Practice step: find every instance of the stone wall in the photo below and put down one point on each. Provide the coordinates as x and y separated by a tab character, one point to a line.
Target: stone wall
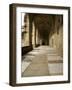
25	31
56	35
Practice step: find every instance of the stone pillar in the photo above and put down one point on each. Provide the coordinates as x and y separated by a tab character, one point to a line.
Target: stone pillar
33	34
36	36
30	30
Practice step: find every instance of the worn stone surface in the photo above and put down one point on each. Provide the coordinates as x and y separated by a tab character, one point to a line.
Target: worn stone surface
44	62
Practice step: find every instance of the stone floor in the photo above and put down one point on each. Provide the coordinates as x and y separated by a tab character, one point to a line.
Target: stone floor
42	61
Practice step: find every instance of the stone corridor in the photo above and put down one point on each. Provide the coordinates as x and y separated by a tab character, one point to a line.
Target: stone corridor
42	61
42	45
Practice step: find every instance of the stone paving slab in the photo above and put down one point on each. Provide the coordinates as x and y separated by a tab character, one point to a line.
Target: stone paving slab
55	68
24	66
39	67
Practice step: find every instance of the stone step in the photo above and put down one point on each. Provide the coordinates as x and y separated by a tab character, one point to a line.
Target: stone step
52	54
54	57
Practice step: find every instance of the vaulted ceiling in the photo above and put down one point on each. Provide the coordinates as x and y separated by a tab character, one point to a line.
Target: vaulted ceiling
44	23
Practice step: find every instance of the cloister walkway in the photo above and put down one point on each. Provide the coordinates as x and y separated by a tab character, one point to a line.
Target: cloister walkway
42	61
